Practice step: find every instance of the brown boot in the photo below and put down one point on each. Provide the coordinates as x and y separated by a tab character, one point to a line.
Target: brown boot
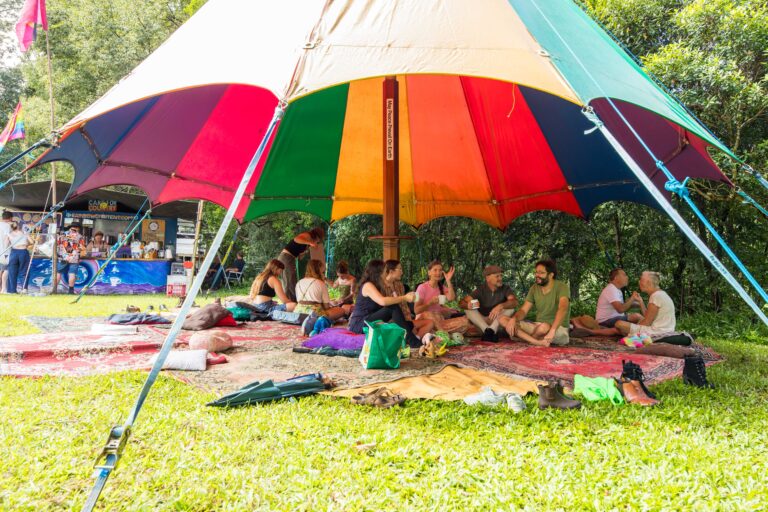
550	397
634	394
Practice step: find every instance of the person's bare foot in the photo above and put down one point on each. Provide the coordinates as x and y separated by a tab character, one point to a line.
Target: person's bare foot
540	343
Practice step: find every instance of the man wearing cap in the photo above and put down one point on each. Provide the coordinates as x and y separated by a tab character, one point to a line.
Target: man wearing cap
552	301
71	244
496	301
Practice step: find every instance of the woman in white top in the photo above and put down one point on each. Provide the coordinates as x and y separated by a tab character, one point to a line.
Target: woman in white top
312	294
18	263
659	313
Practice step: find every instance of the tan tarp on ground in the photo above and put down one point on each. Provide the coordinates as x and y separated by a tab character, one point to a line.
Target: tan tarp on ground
450	383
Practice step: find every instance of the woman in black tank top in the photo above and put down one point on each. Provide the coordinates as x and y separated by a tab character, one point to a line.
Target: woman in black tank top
372	304
295	249
266	286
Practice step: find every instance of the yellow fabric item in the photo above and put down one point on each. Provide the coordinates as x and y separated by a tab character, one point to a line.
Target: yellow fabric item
450	383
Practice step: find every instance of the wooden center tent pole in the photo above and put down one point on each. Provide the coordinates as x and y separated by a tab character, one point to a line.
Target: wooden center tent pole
391	221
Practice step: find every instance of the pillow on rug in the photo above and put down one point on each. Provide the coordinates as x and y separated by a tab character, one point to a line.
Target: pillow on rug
187	360
336	338
666	350
211	341
256	314
228	321
674	338
205	318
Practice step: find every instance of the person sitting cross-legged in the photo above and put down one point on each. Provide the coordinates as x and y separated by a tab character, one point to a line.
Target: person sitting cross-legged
267	286
659	314
373	303
496	301
551	299
612	308
312	294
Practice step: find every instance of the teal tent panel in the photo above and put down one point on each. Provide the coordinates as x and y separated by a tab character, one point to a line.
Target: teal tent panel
600	68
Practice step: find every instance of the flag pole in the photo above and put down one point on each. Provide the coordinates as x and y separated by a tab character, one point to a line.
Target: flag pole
54	253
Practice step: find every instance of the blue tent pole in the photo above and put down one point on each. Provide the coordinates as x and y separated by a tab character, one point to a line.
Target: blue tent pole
119	435
759	177
41	142
749	200
676	218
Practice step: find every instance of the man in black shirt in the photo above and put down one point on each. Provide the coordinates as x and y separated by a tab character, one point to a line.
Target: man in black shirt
493	299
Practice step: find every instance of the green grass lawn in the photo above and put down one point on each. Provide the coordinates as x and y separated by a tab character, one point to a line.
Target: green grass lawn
700	450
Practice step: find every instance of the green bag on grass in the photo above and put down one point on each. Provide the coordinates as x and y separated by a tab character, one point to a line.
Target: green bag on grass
383	346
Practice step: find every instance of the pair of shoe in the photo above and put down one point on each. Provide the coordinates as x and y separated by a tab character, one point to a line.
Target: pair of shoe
633	393
632	386
553	396
631	371
490	335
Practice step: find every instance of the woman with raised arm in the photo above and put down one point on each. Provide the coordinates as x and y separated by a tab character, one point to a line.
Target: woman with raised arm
293	250
433	295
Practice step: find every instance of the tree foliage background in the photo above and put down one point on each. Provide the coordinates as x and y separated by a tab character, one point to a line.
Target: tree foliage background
711	54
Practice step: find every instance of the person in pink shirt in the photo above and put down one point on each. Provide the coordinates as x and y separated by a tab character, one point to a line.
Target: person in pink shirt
434	294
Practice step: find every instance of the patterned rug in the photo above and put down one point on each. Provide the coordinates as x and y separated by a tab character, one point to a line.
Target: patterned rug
75	353
263	350
538	363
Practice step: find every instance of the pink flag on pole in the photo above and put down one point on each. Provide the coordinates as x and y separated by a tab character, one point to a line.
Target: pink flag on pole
14	129
32	14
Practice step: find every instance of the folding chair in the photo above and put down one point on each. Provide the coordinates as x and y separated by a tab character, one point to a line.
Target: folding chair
234	277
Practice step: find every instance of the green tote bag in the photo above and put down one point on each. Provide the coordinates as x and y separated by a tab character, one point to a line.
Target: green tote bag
383	346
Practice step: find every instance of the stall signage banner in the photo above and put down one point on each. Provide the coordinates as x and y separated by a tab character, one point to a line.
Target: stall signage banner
101	205
104	216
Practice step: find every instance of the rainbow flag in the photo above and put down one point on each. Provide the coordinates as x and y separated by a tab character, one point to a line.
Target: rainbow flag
32	15
14	129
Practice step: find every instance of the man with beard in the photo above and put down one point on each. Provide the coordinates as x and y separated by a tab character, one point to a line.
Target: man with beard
551	298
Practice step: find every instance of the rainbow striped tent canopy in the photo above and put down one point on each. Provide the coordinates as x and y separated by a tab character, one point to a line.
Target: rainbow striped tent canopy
492	94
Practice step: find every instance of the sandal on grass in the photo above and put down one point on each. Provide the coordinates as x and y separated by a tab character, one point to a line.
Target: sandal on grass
381	397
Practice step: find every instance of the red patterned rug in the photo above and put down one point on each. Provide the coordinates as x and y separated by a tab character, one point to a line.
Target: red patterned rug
538	363
84	353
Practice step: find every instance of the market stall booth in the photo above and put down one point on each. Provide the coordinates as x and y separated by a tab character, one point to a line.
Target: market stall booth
143	262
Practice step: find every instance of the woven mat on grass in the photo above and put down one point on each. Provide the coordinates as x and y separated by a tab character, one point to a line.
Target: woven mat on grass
549	363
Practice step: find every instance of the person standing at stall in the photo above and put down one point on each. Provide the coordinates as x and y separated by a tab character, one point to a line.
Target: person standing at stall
293	251
97	247
71	244
18	263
